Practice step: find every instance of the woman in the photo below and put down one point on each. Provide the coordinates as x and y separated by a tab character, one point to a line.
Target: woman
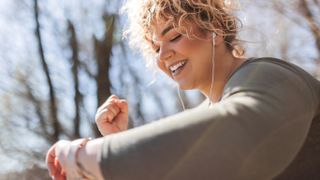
259	120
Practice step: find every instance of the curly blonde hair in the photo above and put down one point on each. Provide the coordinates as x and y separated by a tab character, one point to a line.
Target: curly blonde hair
209	15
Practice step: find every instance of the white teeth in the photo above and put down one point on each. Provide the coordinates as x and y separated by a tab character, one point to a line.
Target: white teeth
173	68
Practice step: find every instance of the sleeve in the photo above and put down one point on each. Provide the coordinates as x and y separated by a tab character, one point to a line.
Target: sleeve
253	133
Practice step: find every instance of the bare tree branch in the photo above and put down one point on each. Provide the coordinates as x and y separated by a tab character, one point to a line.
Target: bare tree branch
86	69
41	117
53	104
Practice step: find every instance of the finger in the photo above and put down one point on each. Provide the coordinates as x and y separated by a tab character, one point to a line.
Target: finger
57	168
62	173
59	177
109	113
56	162
109	101
110	116
114	109
102	117
113	97
123	105
105	116
50	159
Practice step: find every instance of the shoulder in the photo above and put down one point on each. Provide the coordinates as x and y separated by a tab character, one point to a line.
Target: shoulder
261	73
272	77
266	66
269	70
269	65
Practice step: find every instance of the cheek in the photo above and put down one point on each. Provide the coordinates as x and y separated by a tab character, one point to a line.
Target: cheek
185	45
200	50
192	47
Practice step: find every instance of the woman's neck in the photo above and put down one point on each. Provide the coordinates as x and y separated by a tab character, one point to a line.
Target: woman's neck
225	65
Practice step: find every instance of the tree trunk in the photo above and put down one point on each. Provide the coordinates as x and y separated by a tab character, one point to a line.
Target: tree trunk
103	52
75	66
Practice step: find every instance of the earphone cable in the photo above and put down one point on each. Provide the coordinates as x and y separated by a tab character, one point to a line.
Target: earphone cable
181	100
212	70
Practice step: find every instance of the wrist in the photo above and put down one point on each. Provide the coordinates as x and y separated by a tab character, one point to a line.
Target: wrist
74	169
89	158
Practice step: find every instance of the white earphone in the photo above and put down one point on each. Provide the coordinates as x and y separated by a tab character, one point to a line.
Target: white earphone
214	35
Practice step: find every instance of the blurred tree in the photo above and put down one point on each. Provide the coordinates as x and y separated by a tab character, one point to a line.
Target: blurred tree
75	62
103	51
306	14
48	111
310	10
53	115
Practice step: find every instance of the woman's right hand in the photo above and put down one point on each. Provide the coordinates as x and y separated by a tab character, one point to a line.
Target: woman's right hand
112	116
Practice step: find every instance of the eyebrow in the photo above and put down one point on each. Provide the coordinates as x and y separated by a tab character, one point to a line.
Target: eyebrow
167	29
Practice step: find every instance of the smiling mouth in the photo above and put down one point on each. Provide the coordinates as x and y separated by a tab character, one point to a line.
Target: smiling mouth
177	68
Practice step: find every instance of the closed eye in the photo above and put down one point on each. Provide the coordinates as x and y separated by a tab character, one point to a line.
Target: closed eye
176	38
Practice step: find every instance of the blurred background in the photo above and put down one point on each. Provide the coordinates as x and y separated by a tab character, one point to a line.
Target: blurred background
59	60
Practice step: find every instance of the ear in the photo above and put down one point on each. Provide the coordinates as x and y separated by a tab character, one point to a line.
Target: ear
219	37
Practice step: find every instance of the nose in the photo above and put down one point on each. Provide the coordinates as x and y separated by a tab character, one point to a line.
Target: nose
165	53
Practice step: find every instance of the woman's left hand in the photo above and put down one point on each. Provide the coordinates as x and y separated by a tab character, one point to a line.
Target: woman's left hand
56	159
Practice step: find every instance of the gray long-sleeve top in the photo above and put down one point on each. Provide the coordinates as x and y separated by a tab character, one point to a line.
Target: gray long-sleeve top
257	131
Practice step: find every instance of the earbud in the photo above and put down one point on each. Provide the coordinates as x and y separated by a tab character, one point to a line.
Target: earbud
214	35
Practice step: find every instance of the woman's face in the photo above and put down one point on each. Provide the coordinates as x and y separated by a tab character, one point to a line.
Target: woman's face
186	60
